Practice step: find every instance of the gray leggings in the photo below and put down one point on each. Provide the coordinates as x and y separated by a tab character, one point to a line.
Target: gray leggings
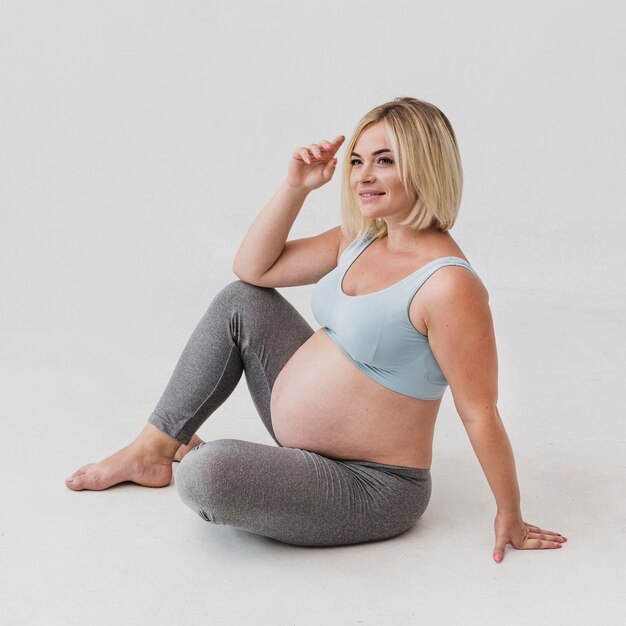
292	495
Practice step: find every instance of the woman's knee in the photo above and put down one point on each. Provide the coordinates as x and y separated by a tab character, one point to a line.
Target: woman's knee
206	477
239	291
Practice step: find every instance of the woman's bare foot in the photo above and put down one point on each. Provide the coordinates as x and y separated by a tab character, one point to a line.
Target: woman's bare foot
182	451
147	461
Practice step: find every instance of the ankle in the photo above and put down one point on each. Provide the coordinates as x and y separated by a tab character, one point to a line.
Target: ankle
155	442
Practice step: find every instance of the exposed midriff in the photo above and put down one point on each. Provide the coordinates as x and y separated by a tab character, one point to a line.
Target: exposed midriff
322	402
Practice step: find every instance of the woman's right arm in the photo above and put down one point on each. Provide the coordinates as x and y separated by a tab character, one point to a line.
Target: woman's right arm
265	257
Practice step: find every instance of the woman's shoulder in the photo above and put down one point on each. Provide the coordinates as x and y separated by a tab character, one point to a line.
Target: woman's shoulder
455	276
447	255
451	285
456	283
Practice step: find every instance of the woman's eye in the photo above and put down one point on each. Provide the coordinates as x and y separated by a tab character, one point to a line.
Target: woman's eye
354	162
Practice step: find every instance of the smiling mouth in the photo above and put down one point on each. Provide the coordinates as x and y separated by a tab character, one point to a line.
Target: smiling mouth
371	195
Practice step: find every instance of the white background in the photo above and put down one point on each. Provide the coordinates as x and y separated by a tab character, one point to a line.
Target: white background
138	140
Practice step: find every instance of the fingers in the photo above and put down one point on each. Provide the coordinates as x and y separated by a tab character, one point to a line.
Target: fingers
539	544
322	151
304	154
539	530
327	174
316	150
334	145
528	537
310	154
536	538
530	542
546	534
498	553
539	533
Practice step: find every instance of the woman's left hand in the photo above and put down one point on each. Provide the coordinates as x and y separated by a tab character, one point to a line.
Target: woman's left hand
510	528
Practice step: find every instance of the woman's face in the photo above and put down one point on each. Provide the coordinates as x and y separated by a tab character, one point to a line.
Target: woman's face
374	177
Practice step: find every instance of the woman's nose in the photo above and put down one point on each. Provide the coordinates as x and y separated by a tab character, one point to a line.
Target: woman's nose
366	173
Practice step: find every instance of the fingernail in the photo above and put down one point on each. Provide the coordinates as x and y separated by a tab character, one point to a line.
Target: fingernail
497	558
69	480
558	545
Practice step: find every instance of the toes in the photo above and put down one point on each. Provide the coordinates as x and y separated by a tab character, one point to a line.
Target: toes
82	470
75	483
83	480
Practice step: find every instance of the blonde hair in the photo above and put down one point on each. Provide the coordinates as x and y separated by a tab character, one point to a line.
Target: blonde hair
424	146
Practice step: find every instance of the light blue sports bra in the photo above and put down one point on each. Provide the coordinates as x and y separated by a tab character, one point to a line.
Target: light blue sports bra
374	329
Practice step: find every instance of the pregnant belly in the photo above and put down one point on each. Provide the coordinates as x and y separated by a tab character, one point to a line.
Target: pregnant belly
324	403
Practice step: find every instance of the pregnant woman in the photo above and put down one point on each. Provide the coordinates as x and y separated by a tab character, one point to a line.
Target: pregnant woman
351	406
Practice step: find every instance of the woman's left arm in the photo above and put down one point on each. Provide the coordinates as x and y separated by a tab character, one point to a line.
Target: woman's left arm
462	338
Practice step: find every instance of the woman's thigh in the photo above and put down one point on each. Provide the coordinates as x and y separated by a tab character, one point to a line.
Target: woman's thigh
300	497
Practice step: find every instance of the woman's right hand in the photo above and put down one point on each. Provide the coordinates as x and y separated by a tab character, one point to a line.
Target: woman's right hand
313	166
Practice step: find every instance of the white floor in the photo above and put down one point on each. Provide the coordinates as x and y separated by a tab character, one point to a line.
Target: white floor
138	556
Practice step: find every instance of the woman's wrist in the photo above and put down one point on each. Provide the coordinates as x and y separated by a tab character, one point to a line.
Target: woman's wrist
509	511
297	190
